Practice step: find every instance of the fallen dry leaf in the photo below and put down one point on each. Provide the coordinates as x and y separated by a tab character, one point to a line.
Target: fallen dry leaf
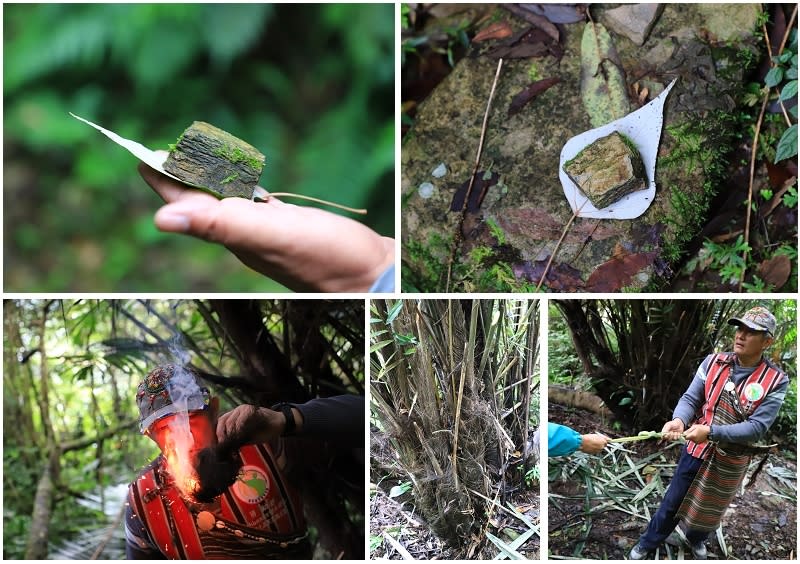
497	30
535	223
775	271
618	272
536	20
558	13
529	93
479	189
561	277
779	173
530	42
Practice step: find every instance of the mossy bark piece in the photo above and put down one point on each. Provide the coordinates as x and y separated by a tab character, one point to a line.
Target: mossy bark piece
607	170
213	159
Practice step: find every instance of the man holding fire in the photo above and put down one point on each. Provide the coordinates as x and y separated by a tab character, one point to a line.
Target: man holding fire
219	489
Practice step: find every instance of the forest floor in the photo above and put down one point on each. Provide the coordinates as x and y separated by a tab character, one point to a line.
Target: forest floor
444	34
397	518
759	524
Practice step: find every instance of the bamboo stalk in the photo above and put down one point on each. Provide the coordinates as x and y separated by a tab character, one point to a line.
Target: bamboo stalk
458	235
458	418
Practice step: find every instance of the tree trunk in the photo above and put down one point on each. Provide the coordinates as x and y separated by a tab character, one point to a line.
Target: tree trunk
641	354
262	361
36	548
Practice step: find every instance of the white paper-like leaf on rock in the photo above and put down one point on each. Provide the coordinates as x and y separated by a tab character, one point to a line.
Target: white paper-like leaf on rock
643	127
150	158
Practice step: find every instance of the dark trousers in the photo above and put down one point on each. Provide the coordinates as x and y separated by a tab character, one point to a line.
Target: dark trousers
664	521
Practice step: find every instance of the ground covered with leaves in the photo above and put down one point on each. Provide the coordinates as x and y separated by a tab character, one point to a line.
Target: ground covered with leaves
398	532
599	505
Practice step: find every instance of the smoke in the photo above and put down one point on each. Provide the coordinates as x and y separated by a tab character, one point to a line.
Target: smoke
179	441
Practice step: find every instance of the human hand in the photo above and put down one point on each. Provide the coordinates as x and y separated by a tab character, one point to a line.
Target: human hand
697	433
251	424
306	249
672	430
593	443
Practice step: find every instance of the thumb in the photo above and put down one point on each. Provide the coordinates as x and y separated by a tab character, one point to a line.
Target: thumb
183	215
205	217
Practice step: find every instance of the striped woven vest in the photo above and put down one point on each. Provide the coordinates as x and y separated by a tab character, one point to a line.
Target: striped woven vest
764	379
260	503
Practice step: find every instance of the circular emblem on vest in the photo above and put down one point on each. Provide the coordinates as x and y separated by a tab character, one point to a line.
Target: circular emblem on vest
729	387
753	391
252	486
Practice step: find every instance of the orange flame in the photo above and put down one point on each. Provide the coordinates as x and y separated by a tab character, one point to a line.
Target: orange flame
177	451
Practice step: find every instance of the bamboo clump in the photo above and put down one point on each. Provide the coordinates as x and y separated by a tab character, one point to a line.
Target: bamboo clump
443	374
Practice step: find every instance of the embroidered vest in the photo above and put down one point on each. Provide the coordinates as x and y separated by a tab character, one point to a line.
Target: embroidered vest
258	514
750	392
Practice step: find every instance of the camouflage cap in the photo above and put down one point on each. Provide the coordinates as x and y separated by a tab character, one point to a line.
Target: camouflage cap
758	319
165	385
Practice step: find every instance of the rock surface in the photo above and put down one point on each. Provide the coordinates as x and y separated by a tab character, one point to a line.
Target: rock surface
634	21
607	170
510	239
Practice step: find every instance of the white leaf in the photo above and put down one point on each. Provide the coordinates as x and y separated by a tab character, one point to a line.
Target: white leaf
643	127
150	158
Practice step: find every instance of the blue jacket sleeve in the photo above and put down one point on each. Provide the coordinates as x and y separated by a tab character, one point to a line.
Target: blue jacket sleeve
385	282
562	440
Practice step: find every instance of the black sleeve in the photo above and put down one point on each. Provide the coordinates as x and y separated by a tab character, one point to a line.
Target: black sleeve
338	419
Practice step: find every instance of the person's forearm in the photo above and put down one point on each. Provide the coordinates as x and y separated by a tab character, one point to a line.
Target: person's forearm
338	419
691	402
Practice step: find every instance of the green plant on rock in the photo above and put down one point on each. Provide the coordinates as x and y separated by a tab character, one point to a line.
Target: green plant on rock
783	78
699	150
727	259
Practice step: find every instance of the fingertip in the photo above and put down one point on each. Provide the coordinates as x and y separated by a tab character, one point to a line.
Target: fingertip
167	220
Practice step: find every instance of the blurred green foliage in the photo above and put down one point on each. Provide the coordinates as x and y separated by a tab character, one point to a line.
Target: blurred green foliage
311	86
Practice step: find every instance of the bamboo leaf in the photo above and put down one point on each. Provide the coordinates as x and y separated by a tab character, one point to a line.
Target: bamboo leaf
505	548
394	311
379	345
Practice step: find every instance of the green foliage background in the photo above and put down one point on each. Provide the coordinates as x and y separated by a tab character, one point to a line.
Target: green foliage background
311	86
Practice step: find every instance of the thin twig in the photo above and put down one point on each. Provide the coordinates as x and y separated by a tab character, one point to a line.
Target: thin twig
750	187
788	29
780	48
318	201
755	146
553	254
459	234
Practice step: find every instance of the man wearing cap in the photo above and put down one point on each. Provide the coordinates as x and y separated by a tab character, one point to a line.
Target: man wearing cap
732	401
259	515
